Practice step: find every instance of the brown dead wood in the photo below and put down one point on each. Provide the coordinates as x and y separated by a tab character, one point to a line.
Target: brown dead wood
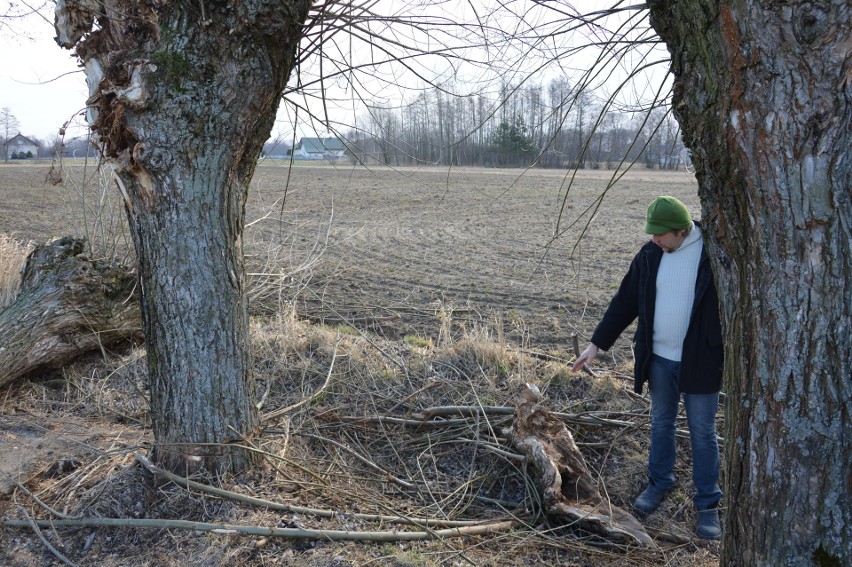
68	305
569	491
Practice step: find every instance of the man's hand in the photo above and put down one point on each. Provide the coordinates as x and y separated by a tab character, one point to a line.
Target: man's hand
586	357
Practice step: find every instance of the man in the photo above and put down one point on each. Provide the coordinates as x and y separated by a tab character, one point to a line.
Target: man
678	350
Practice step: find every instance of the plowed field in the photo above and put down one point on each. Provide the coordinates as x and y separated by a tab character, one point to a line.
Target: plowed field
407	248
412	251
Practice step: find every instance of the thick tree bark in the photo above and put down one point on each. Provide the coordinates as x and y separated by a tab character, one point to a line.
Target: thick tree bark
183	96
763	91
68	305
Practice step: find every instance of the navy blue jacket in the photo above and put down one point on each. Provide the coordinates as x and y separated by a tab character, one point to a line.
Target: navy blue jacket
703	354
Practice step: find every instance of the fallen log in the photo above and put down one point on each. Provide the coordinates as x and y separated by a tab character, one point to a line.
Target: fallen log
569	491
68	305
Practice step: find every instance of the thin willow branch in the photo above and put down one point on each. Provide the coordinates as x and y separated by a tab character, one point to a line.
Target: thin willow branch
294	533
29	521
35	498
465	411
389	420
363	459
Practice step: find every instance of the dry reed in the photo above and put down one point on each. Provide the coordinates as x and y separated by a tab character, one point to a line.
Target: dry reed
13	255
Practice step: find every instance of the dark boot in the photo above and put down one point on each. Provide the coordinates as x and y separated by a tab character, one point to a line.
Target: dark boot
708	524
648	501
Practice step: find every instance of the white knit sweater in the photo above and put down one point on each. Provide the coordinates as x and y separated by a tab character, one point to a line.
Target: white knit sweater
675	295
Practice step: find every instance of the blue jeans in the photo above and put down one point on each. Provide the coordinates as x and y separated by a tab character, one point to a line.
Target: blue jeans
664	384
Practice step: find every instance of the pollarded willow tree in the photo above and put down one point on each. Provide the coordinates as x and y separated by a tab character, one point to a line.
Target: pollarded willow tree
763	91
183	96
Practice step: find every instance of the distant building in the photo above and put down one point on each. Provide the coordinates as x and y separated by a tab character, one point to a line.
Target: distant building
20	147
331	149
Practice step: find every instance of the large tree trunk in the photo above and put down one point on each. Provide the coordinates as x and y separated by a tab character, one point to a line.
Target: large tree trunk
763	91
183	96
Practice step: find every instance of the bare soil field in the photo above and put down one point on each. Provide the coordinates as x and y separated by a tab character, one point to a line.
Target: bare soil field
403	245
375	293
397	252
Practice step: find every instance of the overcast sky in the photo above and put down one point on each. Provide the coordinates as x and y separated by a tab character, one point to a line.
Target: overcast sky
40	82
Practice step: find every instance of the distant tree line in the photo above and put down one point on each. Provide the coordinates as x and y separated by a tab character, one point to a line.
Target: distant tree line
535	125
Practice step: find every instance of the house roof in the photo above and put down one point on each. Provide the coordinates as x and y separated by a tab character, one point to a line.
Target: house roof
321	145
21	141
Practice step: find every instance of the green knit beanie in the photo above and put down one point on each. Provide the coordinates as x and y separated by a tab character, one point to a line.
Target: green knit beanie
665	214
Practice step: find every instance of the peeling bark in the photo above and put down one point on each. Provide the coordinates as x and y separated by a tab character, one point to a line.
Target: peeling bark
763	91
68	305
568	489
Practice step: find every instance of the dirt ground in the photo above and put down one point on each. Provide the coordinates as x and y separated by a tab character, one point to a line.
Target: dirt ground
401	245
410	257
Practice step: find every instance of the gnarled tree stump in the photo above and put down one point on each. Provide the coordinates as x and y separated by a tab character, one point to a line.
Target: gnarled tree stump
568	489
68	305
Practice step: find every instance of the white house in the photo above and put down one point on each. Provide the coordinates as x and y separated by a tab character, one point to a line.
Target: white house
320	148
20	146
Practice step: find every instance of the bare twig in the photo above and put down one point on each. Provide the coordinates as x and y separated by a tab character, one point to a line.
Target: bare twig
390	420
464	411
322	513
28	521
576	341
363	459
35	498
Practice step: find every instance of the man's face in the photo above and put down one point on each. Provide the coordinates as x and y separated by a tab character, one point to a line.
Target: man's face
669	241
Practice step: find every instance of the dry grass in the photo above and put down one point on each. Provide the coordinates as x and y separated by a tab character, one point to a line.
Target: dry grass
350	443
348	430
13	255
